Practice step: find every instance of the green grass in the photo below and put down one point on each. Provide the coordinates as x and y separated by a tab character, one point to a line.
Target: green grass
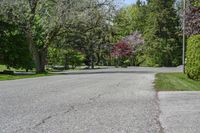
3	67
175	82
14	77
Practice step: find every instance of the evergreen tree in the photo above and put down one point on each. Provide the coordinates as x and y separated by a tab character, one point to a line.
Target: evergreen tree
138	3
163	46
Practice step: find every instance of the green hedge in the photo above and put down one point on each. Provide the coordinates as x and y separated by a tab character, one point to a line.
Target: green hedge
193	57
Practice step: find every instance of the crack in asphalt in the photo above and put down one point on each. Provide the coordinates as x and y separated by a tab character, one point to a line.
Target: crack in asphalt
158	115
95	98
43	121
72	108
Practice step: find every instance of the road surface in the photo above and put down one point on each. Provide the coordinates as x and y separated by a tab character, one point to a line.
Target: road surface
99	101
180	112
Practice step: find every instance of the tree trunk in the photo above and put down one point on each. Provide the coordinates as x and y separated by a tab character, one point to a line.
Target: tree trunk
92	60
42	61
98	59
92	65
66	63
39	57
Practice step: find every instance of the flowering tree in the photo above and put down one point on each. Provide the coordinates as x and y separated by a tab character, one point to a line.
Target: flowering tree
127	48
122	49
134	40
192	17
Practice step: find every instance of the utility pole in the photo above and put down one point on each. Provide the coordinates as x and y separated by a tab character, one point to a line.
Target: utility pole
184	38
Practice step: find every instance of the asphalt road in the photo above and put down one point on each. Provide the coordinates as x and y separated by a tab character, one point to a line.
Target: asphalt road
108	102
180	112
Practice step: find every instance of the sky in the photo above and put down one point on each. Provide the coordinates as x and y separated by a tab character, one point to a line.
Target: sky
128	2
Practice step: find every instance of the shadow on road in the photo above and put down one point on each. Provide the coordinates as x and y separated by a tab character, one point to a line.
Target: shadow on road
105	72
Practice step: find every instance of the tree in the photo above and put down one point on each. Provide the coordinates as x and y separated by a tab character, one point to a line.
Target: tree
90	33
121	49
13	47
162	34
42	21
65	58
136	41
128	20
121	52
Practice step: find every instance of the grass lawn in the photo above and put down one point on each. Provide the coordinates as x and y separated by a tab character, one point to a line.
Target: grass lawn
175	82
3	67
14	77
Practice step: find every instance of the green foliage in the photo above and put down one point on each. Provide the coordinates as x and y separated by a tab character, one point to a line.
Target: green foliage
162	39
126	63
159	24
55	56
193	57
90	32
67	28
65	58
128	20
74	58
195	3
84	25
14	48
38	22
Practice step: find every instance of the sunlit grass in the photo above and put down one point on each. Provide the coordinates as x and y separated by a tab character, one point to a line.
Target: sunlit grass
175	82
14	77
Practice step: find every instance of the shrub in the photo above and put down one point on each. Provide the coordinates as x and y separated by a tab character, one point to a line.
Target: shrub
126	63
66	58
74	58
193	57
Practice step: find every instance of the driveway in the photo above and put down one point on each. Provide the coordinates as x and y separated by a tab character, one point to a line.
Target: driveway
99	101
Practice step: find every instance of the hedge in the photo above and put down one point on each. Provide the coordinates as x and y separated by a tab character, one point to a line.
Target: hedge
193	57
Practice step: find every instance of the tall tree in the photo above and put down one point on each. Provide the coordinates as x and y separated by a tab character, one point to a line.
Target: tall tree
47	20
163	47
89	34
129	19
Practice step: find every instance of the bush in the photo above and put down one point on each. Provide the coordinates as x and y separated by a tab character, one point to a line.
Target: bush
193	57
74	58
62	57
126	63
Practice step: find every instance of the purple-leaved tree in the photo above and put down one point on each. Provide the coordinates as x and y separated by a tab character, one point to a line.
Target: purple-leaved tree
126	49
